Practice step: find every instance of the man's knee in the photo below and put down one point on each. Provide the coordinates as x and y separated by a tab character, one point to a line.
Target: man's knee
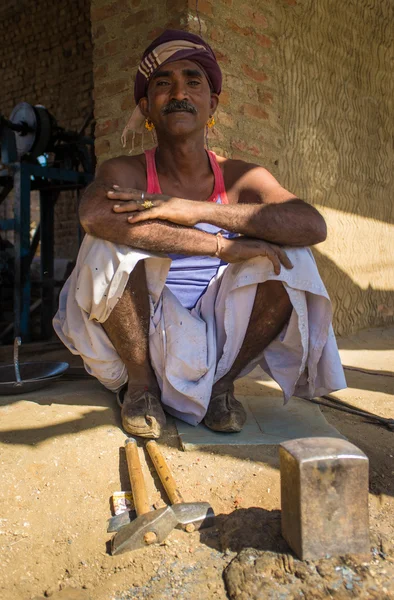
272	304
273	291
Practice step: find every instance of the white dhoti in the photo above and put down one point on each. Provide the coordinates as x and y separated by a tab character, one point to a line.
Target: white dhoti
192	349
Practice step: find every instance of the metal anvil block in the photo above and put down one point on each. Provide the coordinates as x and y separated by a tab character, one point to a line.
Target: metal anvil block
324	497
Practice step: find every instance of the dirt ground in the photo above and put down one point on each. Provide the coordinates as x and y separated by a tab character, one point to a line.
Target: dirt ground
62	457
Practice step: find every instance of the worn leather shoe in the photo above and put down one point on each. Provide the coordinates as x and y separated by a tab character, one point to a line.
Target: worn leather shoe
142	413
225	413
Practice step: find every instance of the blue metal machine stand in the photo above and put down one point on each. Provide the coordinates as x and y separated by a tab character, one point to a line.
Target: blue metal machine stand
22	174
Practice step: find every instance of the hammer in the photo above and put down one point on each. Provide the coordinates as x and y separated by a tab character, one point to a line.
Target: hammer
191	515
152	527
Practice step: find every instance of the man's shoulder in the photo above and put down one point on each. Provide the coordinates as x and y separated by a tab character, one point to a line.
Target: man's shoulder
125	169
238	171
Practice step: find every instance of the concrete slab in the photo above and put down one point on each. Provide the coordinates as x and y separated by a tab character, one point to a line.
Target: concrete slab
268	422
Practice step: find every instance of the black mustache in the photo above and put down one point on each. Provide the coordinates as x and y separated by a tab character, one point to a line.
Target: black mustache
178	106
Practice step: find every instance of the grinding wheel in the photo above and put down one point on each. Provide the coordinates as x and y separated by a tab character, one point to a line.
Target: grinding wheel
36	127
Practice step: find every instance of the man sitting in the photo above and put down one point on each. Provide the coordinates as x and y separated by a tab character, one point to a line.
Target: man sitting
182	284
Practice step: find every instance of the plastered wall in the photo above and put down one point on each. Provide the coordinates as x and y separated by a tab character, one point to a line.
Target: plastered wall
308	93
334	64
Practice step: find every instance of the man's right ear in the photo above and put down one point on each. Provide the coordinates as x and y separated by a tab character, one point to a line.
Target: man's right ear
143	104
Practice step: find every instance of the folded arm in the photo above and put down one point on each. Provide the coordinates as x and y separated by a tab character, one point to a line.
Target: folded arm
270	212
290	223
265	210
98	219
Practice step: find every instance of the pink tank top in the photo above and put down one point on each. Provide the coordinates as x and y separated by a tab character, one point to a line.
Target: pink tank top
153	184
189	276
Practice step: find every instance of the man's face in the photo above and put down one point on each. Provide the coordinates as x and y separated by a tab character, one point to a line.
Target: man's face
179	100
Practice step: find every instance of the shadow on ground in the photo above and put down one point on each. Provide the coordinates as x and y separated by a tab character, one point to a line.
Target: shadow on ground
237	530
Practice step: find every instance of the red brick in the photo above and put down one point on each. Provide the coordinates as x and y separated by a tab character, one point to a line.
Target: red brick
265	97
98	13
224	118
111	88
99	31
263	40
250	53
224	98
204	7
254	74
137	18
106	127
127	103
238	29
243	147
257	18
174	5
111	48
101	71
217	34
253	111
130	61
216	134
154	33
101	146
222	58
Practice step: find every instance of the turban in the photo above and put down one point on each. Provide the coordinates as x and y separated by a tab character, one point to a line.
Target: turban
170	46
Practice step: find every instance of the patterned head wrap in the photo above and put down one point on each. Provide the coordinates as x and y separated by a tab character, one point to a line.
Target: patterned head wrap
170	46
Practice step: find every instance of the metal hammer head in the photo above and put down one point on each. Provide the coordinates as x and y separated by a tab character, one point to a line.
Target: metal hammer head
324	497
190	516
150	528
193	515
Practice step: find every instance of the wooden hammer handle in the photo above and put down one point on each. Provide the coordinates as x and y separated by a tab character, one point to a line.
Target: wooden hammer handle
164	473
140	495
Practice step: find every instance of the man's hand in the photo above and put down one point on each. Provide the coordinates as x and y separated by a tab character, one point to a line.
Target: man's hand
146	207
240	249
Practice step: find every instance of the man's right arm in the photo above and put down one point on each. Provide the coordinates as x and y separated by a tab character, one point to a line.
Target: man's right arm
98	219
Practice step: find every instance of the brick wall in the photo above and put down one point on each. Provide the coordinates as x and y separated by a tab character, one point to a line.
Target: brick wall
46	58
308	93
120	32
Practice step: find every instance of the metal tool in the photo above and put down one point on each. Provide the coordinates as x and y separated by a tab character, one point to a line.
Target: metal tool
33	127
150	527
190	515
324	497
26	377
17	343
336	404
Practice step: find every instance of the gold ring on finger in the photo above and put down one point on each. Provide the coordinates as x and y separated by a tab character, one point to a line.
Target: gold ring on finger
147	204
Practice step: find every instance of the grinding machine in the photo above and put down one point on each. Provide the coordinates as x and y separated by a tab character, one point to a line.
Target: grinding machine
36	154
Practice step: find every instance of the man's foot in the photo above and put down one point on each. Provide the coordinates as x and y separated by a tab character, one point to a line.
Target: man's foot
225	413
142	413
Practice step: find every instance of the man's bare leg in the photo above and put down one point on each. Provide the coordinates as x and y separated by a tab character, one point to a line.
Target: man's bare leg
128	329
271	311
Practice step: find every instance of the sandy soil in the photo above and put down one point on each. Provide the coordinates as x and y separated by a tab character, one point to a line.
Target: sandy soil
62	457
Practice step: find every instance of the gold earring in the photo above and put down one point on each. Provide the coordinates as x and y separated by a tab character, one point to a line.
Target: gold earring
211	122
149	125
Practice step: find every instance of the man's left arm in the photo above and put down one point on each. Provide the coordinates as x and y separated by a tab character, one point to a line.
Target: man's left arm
267	211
